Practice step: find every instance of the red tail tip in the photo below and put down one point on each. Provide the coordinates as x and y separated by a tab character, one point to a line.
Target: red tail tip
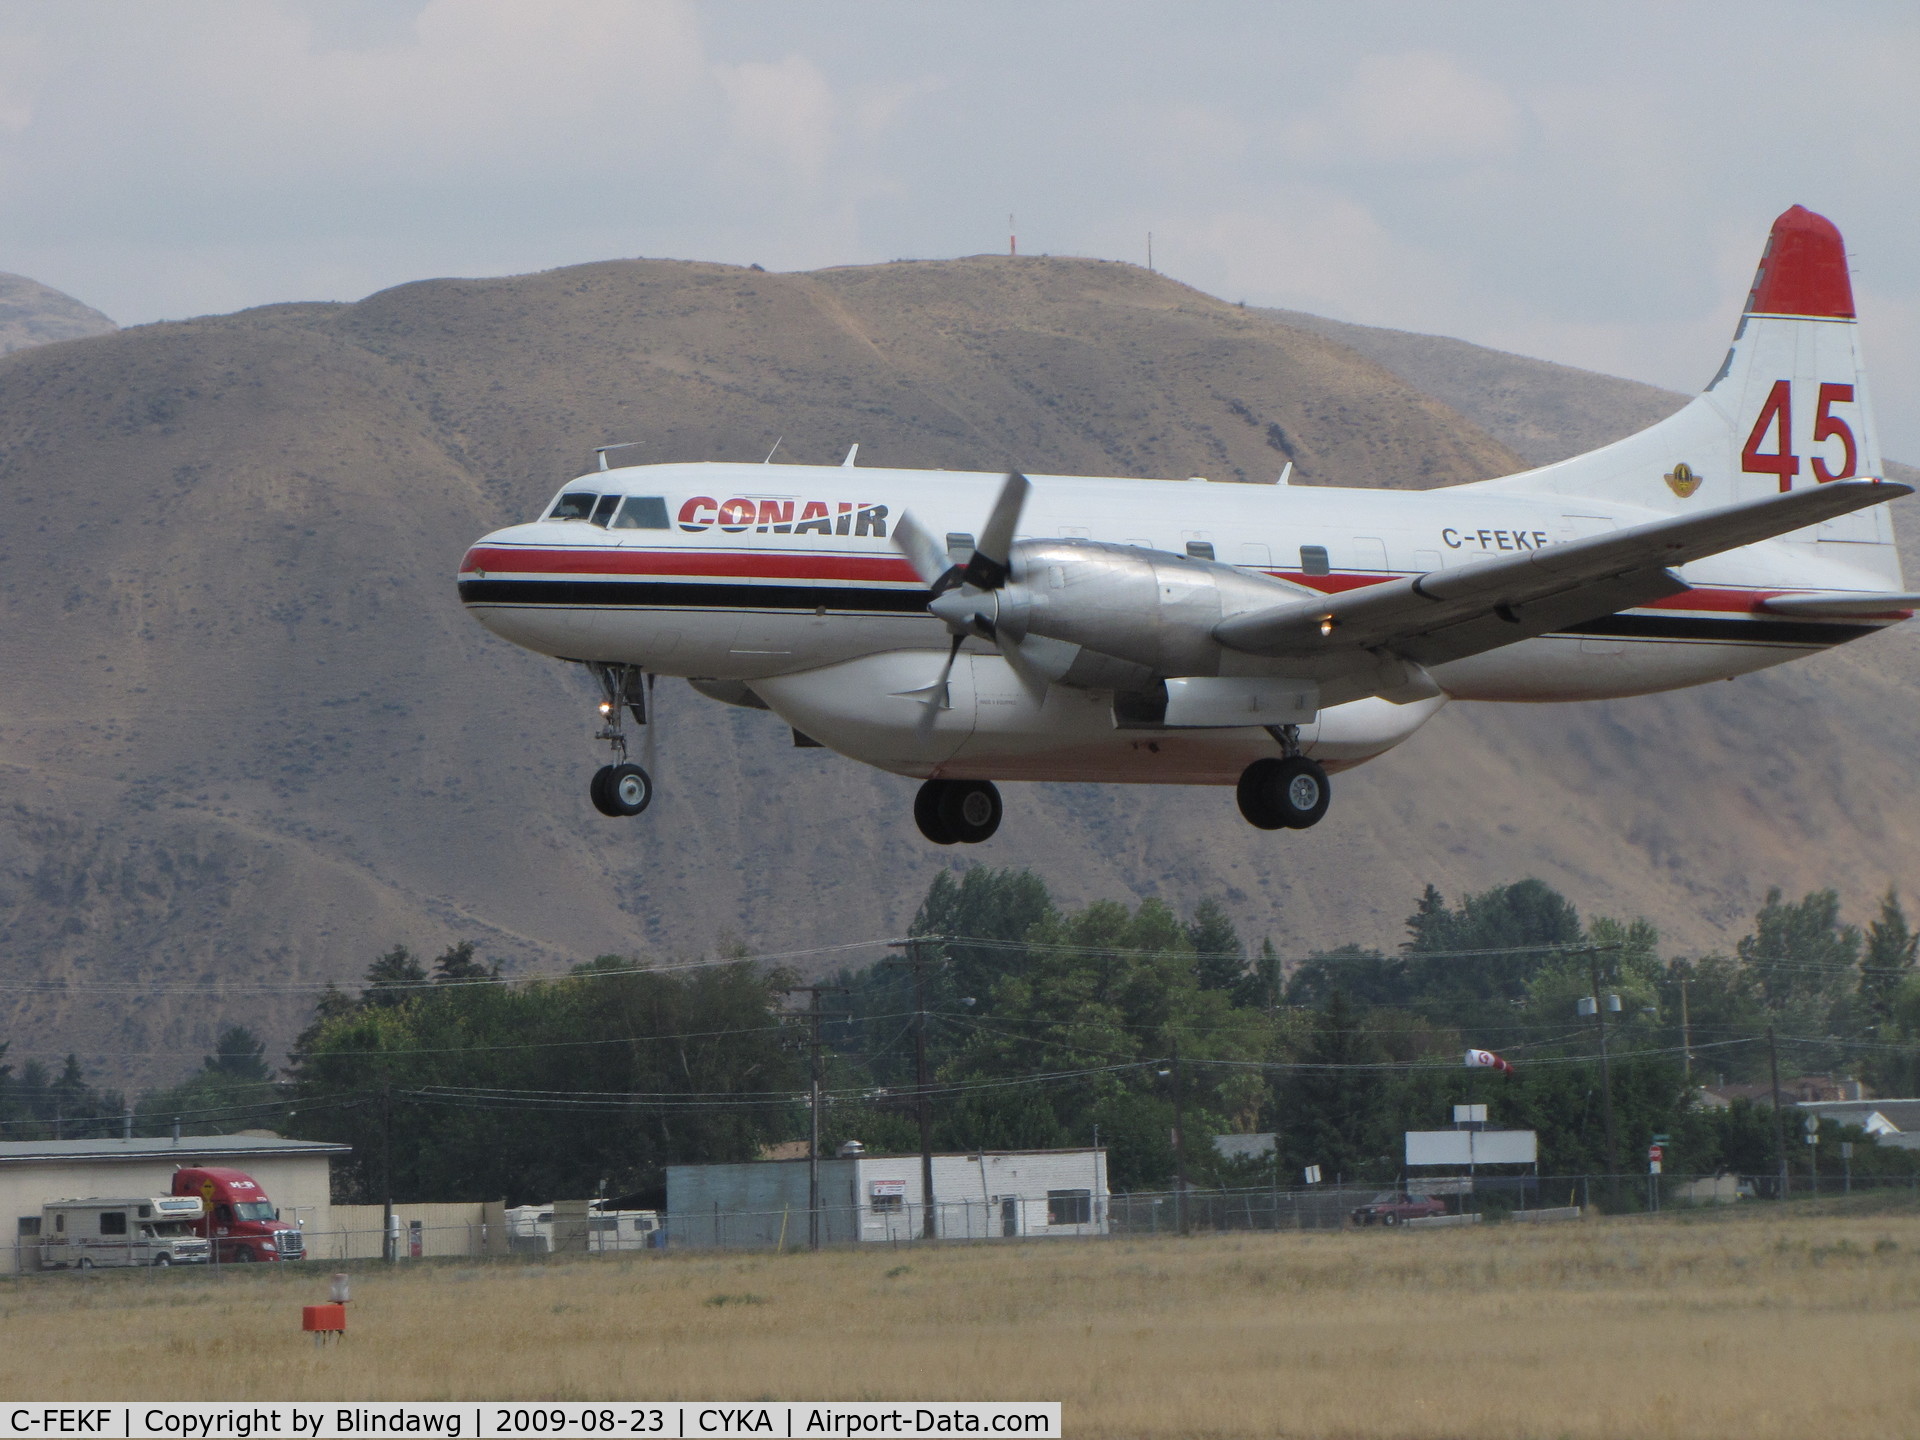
1804	270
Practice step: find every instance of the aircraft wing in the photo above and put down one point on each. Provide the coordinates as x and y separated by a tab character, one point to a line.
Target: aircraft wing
1448	615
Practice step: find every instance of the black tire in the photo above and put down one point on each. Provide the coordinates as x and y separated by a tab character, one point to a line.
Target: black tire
162	1262
1300	792
598	790
243	1255
926	813
627	789
1258	785
1389	1219
970	810
83	1264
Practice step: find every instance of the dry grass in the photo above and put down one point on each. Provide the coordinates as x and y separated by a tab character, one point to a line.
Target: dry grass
1752	1327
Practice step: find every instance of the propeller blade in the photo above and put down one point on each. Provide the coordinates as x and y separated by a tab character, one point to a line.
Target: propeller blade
987	570
1031	680
938	698
927	556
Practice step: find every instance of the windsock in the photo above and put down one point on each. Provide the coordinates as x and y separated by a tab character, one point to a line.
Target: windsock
1487	1060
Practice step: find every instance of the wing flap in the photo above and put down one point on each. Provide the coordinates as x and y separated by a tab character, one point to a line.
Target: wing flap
1445	615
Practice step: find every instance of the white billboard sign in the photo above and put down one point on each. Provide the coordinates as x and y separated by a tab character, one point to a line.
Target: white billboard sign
1472	1147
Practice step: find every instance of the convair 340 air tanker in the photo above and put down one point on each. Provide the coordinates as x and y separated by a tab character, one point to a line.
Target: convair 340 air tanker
969	628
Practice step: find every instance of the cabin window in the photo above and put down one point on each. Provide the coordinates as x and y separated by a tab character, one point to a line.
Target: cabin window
1069	1207
574	505
113	1222
1313	560
146	1212
29	1225
255	1210
1200	549
642	512
959	546
59	1224
603	510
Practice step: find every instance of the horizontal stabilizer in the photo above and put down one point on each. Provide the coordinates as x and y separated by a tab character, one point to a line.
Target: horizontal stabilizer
1448	615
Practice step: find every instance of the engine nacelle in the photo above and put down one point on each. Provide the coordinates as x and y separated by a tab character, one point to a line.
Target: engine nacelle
1131	615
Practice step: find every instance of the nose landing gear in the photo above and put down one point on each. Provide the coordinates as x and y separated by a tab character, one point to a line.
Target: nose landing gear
1290	793
957	812
621	788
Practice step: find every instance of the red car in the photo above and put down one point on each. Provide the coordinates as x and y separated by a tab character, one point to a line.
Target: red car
1392	1208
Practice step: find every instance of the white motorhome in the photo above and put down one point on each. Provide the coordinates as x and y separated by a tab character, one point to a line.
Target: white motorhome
530	1229
144	1230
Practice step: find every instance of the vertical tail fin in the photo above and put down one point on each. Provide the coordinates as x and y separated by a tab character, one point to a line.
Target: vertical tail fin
1787	409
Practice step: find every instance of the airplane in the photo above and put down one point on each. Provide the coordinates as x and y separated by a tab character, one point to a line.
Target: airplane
965	629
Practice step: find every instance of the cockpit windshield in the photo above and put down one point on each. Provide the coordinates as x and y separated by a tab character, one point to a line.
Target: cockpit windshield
619	512
642	512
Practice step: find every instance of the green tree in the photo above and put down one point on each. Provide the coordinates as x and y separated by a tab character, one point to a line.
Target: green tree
1463	962
1332	1111
1800	956
587	1084
1220	960
393	978
1888	961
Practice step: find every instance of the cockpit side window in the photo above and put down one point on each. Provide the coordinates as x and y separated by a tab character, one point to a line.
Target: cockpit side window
642	512
574	505
603	511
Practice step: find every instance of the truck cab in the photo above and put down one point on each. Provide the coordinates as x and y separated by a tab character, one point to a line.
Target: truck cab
239	1217
157	1230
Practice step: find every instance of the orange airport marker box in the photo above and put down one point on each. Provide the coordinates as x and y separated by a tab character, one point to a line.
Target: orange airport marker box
323	1318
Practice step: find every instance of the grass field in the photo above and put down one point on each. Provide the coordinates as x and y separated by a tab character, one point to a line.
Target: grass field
1746	1325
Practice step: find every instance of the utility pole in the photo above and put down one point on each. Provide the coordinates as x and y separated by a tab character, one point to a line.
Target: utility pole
1686	1035
916	957
388	1250
1606	1077
1179	1144
814	992
1779	1126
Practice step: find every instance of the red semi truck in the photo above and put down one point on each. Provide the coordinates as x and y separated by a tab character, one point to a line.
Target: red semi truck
239	1218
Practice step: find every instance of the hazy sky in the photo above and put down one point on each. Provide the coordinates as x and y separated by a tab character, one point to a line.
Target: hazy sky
1587	183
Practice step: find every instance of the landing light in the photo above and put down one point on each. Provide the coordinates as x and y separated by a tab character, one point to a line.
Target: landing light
605	708
1326	624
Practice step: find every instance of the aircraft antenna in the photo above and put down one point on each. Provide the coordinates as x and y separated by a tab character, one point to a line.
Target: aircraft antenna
600	451
776	446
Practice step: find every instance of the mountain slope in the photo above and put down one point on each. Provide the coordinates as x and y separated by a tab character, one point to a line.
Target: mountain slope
35	314
254	740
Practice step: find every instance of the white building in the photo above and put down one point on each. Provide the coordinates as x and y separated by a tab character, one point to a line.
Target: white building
294	1174
991	1194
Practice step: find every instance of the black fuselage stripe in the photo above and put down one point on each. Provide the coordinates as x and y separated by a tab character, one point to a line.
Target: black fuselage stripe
706	595
692	595
1703	627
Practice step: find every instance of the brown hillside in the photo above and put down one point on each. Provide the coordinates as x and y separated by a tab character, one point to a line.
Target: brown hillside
251	737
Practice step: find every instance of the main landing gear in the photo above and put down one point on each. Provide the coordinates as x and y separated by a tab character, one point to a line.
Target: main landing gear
962	812
621	788
1290	793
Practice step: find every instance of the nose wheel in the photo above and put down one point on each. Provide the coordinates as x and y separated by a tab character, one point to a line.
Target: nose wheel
1285	794
621	788
957	812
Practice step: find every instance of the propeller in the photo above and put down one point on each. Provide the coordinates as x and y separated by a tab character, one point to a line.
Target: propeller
964	598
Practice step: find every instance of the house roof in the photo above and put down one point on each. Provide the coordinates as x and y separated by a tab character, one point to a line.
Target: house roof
187	1147
1903	1115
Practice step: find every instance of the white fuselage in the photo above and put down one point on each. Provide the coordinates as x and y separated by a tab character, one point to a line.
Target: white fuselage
783	579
